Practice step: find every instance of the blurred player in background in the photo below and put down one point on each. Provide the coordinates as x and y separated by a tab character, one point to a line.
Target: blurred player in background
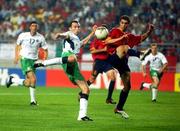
158	64
99	53
71	48
26	51
118	37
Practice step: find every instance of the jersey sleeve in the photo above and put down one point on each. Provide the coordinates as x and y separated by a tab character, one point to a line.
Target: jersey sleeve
67	34
163	59
113	33
19	40
145	61
134	40
43	43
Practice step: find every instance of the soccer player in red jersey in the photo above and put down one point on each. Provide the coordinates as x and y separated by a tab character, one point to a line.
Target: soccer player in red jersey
116	39
100	55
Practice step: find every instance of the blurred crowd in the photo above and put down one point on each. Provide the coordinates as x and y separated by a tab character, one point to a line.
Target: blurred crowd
54	16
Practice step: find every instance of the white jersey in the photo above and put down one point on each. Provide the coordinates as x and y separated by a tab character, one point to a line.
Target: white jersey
73	43
30	44
156	61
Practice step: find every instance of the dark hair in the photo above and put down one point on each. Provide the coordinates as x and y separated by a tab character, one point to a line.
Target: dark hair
74	21
153	44
33	22
125	17
104	25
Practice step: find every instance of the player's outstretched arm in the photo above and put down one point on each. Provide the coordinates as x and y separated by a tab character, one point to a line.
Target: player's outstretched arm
164	67
17	56
143	70
148	32
60	35
86	39
109	40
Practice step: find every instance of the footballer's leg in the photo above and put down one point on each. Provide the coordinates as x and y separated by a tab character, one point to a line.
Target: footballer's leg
11	79
154	88
145	85
32	77
123	95
83	101
111	74
145	53
55	61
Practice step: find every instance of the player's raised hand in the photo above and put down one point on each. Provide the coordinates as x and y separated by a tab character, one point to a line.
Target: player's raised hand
125	36
150	27
94	28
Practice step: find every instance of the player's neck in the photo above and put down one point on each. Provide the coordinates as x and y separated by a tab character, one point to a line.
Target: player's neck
120	29
33	33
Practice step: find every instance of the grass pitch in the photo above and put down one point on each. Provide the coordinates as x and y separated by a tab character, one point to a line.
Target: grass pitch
58	111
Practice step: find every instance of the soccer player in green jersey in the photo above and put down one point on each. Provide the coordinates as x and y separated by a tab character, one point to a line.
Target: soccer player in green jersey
71	49
158	63
26	51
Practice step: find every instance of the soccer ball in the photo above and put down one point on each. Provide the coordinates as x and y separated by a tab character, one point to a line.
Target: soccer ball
101	33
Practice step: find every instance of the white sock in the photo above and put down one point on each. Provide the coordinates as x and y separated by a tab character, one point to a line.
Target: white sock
53	61
154	93
147	85
32	94
18	81
83	108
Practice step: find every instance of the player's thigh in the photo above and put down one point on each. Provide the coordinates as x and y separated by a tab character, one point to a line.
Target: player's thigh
155	76
155	80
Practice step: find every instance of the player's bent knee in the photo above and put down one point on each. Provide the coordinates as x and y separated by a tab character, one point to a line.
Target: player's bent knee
86	91
27	82
32	81
71	58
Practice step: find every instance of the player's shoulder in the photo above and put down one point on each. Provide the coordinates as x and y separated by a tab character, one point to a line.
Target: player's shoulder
114	29
39	34
160	54
149	56
24	34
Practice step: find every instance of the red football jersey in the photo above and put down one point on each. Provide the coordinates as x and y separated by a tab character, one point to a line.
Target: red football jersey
131	41
98	44
41	54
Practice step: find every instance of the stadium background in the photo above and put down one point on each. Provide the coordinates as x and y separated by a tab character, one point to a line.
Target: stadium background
54	15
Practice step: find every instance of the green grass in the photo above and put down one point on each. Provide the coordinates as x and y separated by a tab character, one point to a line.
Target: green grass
58	110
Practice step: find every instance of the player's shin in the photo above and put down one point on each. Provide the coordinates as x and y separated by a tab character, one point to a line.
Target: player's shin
53	61
83	106
110	90
32	93
122	99
154	94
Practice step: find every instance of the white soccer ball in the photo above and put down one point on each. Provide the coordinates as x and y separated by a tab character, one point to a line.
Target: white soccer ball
101	32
